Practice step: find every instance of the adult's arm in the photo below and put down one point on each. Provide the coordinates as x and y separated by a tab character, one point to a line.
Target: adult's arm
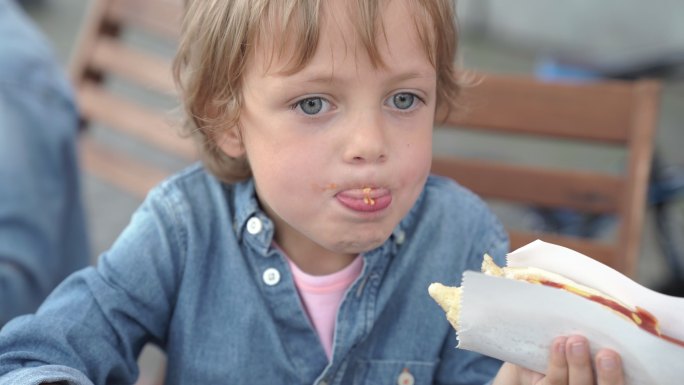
94	325
42	230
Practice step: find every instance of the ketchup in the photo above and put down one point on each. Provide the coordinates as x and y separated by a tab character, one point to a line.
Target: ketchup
640	317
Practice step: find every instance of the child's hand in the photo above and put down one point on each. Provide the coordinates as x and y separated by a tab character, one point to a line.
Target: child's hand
570	364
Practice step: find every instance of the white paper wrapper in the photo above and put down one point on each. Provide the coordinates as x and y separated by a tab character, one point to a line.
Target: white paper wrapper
517	321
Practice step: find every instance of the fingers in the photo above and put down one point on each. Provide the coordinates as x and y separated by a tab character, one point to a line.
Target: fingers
557	370
607	362
580	370
609	368
571	364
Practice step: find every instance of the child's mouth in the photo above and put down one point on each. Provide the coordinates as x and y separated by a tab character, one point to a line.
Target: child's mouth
367	199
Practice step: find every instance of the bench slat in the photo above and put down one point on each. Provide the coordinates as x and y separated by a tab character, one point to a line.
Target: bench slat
118	169
160	17
149	71
517	106
580	190
602	252
149	126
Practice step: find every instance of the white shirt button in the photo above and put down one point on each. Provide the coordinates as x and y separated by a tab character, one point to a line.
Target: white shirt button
405	378
400	237
271	276
254	225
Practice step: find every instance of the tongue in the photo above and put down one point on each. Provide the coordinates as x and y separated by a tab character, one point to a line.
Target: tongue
364	203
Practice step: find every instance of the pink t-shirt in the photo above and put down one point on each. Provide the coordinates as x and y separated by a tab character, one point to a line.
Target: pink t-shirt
322	295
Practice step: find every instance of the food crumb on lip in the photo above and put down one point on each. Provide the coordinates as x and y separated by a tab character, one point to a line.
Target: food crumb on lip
367	199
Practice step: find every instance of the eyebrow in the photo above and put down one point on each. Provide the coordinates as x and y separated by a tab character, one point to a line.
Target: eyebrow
330	78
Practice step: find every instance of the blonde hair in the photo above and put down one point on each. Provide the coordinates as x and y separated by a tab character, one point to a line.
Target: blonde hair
219	35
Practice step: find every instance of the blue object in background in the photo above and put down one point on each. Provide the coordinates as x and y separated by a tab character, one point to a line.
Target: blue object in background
549	69
42	222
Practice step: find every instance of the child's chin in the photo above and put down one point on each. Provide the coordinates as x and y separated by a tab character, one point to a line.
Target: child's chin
358	245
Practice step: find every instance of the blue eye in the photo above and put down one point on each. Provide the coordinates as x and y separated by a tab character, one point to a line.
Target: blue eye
403	100
311	106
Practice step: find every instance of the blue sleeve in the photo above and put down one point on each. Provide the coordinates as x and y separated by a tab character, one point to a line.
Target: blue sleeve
42	230
42	226
99	319
45	374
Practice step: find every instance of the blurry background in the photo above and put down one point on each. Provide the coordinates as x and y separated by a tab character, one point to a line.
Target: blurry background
496	35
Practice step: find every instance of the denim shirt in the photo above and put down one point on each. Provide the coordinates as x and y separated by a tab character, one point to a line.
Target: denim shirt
196	272
42	223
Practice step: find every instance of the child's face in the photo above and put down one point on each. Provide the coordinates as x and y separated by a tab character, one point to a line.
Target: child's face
318	140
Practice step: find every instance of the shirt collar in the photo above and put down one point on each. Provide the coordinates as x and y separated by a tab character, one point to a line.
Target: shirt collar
245	203
251	224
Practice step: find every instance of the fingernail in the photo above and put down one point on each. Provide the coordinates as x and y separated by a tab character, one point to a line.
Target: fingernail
578	348
560	346
607	363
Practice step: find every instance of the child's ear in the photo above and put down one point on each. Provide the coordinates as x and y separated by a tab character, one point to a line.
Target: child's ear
230	142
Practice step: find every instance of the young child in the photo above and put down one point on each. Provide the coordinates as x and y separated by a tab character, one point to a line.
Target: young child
303	252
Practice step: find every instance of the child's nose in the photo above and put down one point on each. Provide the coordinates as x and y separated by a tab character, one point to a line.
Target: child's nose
366	139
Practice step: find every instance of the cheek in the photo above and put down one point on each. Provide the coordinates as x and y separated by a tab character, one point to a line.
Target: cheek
417	173
283	175
417	157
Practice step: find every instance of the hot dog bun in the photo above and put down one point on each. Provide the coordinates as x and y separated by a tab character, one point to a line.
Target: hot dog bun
449	298
544	277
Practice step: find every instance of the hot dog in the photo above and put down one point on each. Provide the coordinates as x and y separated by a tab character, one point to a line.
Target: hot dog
449	297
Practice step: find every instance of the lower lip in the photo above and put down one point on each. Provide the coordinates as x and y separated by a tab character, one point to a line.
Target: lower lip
363	205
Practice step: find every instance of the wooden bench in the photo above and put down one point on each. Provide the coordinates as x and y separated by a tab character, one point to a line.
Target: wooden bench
615	115
106	52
